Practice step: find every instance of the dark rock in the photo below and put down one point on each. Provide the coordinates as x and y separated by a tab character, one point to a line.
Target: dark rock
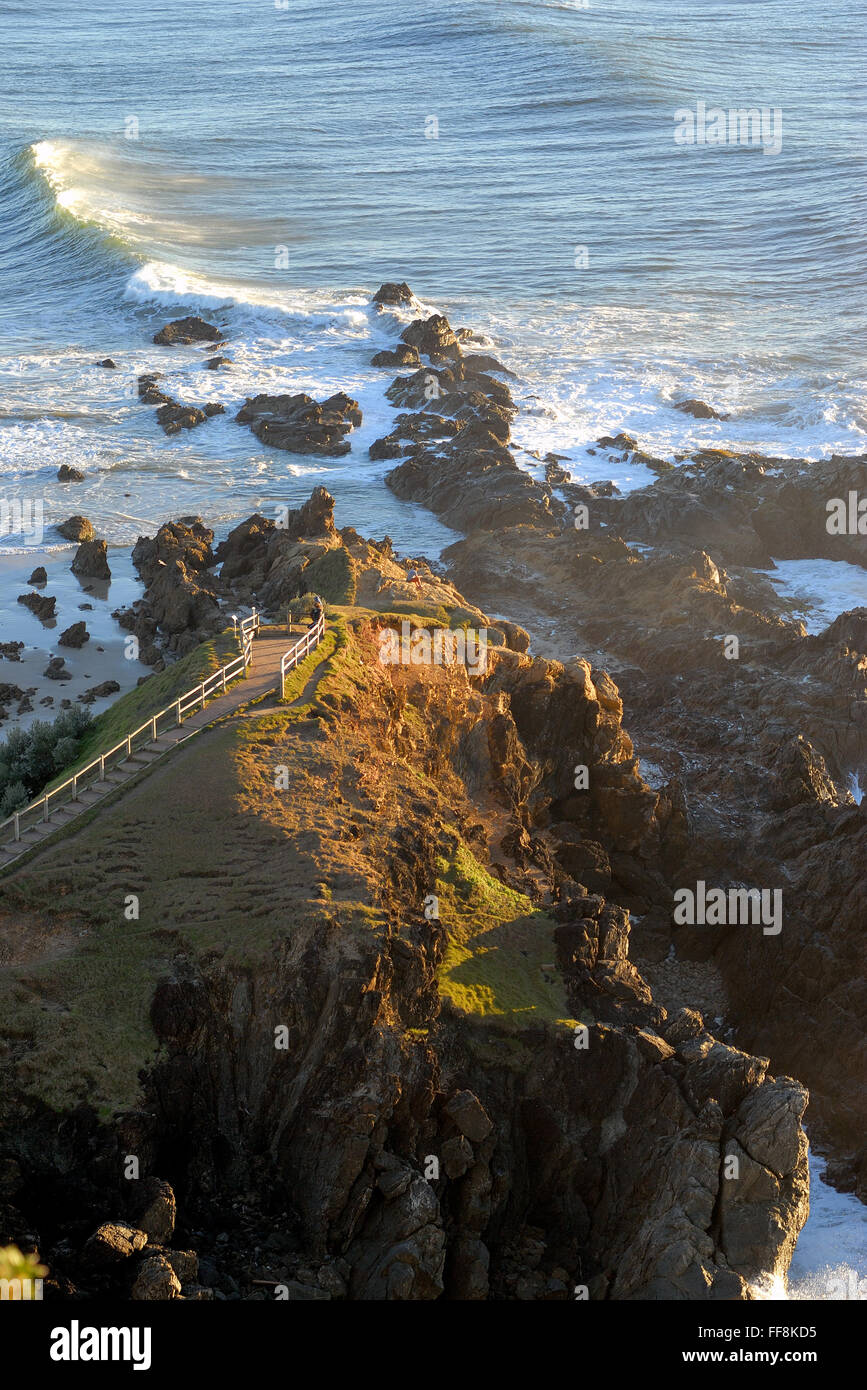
699	409
42	605
433	337
467	1112
66	474
11	651
153	1207
189	330
38	576
107	362
174	417
91	560
300	424
393	293
479	363
402	356
74	636
388	448
149	392
56	670
214	363
101	692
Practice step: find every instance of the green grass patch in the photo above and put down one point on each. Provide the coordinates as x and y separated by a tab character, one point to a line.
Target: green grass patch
498	944
297	679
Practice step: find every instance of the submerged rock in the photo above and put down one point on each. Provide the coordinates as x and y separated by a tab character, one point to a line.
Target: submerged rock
700	409
68	474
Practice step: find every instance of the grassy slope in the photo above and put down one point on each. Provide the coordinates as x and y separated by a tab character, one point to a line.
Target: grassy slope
224	863
498	944
136	706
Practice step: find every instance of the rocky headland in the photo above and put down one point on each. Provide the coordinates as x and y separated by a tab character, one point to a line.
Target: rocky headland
404	1011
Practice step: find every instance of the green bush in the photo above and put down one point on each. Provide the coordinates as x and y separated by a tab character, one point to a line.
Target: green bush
14	797
30	757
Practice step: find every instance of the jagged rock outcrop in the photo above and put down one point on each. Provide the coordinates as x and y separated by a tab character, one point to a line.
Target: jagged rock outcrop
399	1099
392	293
301	424
43	605
91	560
181	598
74	636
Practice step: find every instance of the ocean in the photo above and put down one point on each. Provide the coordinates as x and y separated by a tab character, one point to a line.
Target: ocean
268	165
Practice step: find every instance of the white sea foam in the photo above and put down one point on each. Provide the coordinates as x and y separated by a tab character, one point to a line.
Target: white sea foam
830	1259
820	589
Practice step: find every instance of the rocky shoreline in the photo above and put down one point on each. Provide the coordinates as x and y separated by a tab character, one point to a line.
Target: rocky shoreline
584	1146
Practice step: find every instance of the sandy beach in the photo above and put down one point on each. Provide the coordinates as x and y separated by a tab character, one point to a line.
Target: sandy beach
100	659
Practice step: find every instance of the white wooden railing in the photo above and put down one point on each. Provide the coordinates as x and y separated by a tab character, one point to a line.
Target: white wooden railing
305	644
168	718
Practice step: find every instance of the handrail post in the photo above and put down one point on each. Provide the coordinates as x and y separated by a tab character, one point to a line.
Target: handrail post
17	826
223	674
180	716
45	808
129	745
202	688
154	727
75	786
102	767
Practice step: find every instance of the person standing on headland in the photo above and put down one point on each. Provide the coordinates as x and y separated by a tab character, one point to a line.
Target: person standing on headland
317	610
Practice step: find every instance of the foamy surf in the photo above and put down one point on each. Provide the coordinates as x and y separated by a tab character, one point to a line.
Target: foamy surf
830	1259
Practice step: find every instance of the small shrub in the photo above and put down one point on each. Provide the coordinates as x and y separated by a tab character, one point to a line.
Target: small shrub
30	757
